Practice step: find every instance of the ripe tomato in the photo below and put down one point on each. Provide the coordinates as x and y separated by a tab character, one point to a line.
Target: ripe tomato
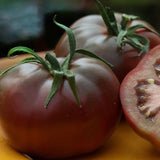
140	97
91	33
64	129
81	96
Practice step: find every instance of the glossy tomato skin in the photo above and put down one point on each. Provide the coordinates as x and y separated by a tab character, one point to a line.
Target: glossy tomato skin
63	129
91	34
146	126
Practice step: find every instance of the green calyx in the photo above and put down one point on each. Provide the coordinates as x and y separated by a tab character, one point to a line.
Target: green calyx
125	35
52	65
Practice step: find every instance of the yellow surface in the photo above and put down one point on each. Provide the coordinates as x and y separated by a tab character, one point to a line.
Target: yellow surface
125	144
7	153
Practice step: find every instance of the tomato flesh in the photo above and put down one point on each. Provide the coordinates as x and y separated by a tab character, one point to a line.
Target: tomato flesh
148	92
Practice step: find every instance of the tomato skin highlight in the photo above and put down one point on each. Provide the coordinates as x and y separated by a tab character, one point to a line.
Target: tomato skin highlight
63	129
146	127
91	34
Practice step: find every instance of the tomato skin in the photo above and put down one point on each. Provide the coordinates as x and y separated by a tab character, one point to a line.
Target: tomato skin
63	129
91	34
147	128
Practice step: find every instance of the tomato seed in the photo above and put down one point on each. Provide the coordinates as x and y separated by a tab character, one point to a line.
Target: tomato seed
148	95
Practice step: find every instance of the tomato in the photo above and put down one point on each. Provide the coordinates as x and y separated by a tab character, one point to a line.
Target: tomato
92	34
64	128
58	107
139	93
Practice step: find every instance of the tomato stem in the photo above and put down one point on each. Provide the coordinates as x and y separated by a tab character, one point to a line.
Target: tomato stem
109	18
125	35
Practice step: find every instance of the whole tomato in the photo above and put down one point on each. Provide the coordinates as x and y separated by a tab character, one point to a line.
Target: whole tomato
93	33
140	97
56	108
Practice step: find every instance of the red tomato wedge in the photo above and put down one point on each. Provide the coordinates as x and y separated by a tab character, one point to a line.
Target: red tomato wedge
140	97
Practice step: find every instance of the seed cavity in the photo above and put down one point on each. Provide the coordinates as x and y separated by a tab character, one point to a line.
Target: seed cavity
143	108
148	97
157	68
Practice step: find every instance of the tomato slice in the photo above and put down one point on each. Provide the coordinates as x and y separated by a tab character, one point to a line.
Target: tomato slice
140	97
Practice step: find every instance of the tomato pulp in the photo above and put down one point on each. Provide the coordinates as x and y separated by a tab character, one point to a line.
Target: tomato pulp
140	91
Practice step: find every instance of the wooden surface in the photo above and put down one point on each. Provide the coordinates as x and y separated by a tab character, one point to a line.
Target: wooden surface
125	144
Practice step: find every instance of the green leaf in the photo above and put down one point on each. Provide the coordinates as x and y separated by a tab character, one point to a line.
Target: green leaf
58	77
71	80
139	42
30	51
26	60
66	62
132	29
53	61
120	37
113	20
128	36
108	18
125	34
125	19
90	54
71	38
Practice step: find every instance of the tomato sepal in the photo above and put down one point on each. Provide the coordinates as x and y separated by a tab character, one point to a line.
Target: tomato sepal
125	35
51	64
